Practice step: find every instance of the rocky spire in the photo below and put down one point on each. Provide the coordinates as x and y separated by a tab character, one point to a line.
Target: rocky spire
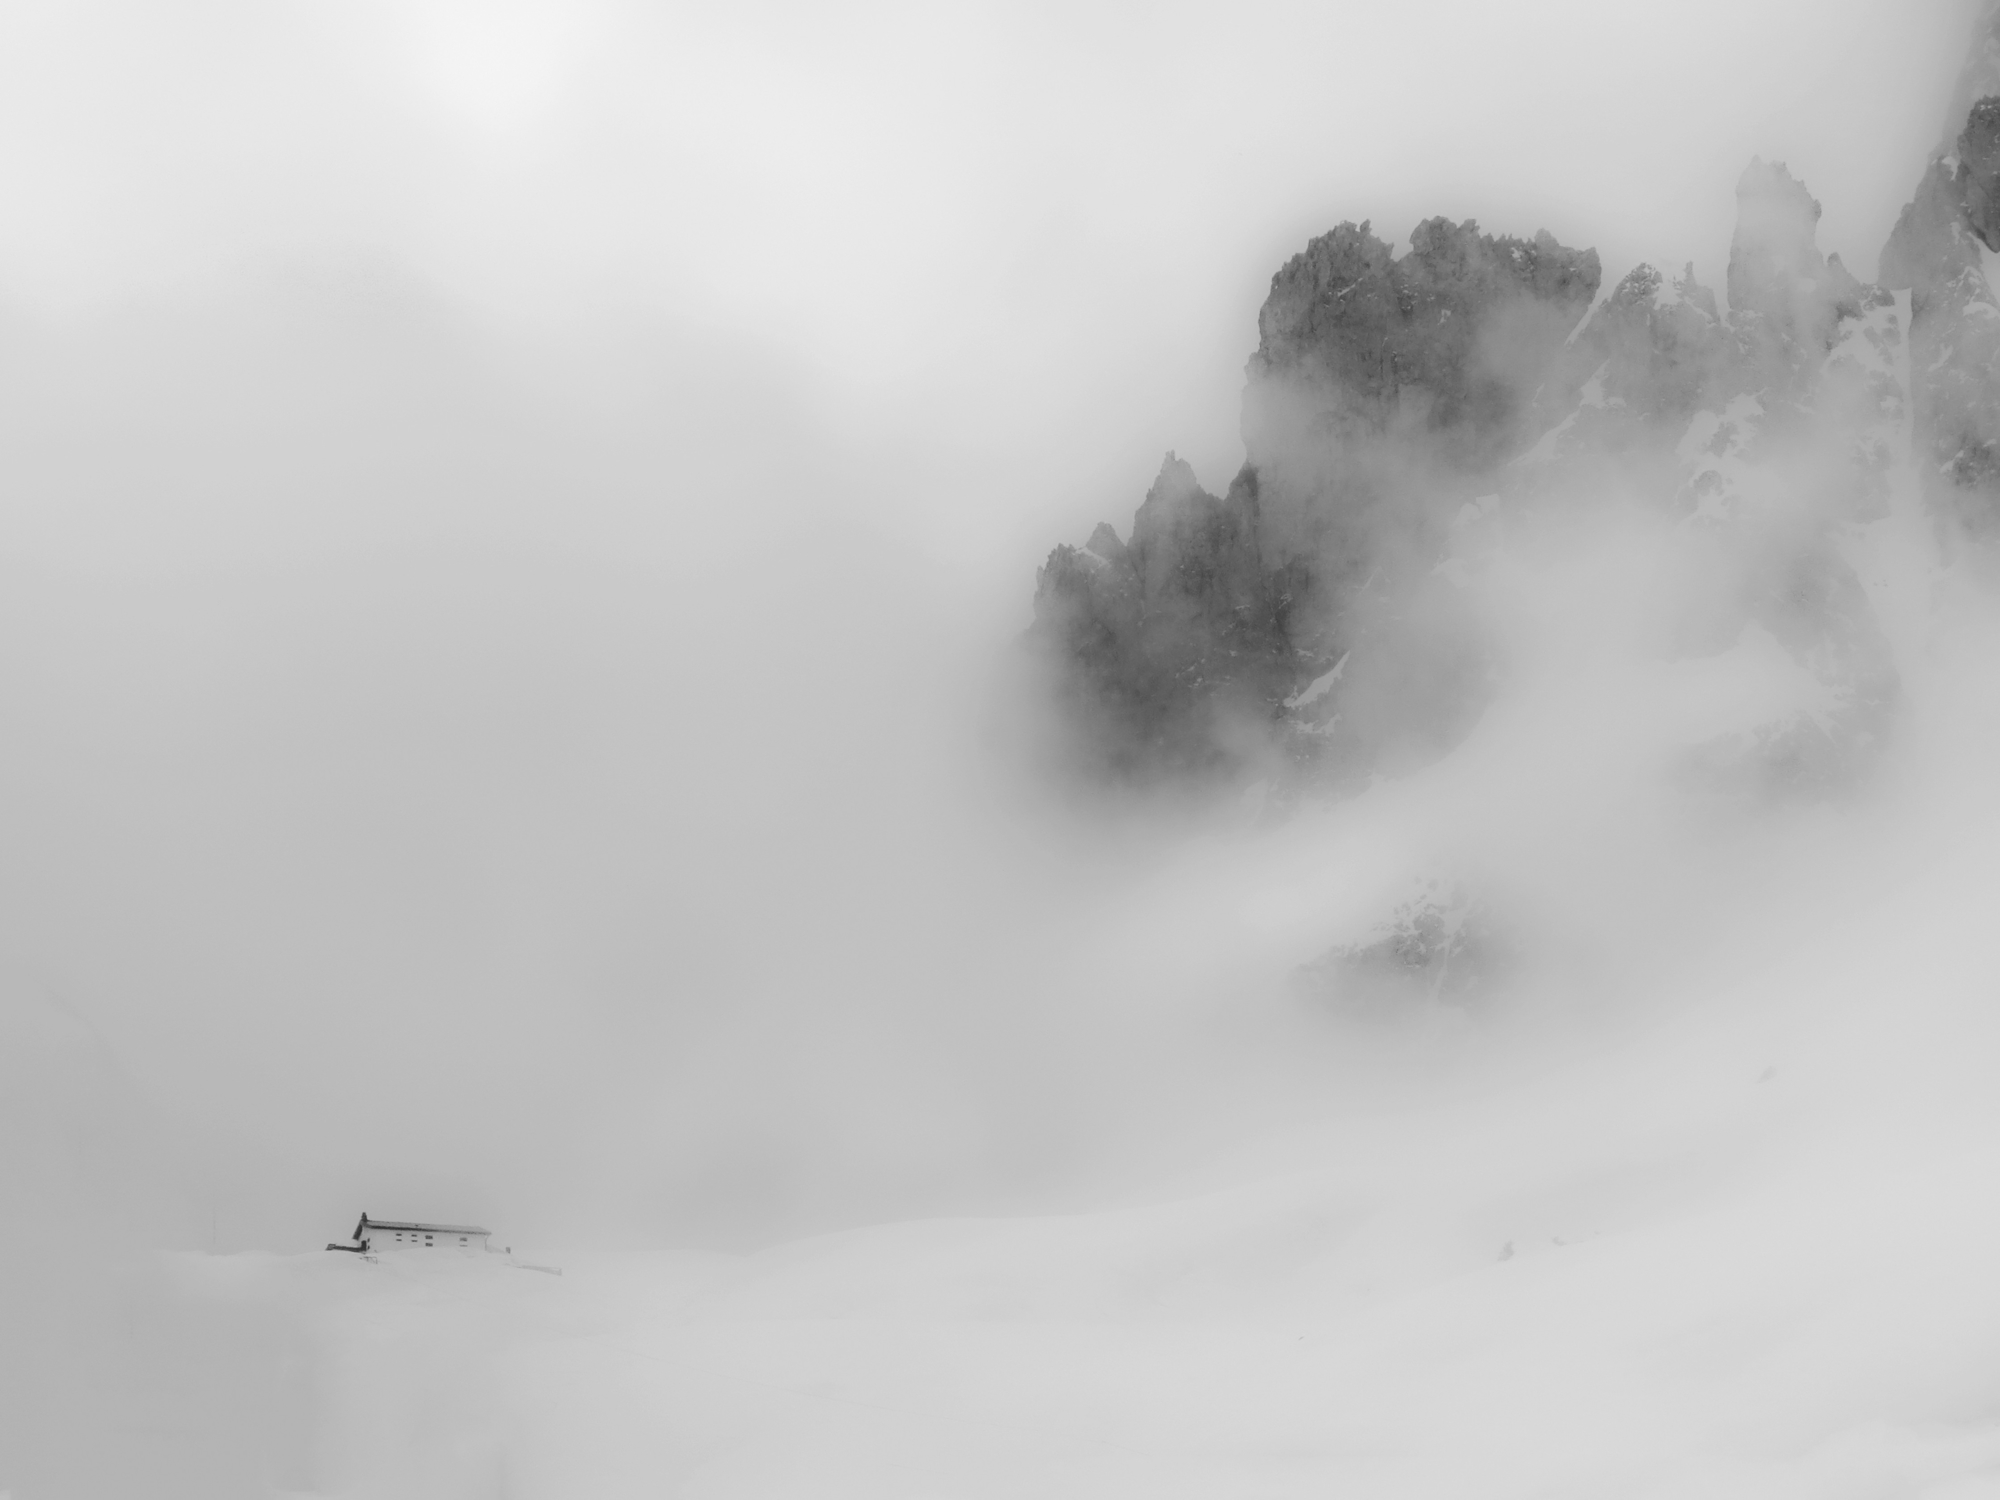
1774	251
1398	408
1353	339
1979	165
1978	79
1942	251
1785	297
1383	392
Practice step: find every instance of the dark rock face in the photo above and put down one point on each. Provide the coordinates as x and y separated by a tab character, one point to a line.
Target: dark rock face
1979	78
1317	612
1938	251
1174	645
1699	411
1306	610
1380	390
1309	611
1448	340
1658	352
1651	354
1955	351
1378	381
1979	170
1785	298
1926	232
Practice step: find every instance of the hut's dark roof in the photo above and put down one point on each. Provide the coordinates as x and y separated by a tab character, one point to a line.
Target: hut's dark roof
367	1224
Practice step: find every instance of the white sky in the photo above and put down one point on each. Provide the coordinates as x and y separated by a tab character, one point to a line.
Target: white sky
946	226
507	509
508	517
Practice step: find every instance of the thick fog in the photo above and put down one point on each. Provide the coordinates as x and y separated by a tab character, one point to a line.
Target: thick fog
515	522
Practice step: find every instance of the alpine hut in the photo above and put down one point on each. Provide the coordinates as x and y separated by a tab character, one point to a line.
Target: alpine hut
374	1235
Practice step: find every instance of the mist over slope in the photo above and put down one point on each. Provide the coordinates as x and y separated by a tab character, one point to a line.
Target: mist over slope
1411	417
1561	1066
1529	1033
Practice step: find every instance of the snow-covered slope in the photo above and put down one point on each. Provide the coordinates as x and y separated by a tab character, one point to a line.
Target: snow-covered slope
1689	1202
1740	1244
1564	1068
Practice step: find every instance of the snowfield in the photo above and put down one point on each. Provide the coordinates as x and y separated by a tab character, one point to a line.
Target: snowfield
1699	1204
599	791
1706	1209
1746	1252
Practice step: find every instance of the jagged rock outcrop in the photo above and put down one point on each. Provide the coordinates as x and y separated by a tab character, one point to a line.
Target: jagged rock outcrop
1931	236
1768	429
1786	299
1379	384
1380	389
1657	353
1658	344
1442	945
1399	409
1626	385
1979	78
1312	612
1943	252
1979	170
1449	340
1174	646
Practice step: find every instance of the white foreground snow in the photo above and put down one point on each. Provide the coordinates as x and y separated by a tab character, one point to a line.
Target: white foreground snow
1751	1251
1734	1234
1702	1206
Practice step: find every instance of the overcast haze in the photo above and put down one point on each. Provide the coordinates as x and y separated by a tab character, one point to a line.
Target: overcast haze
1034	235
510	509
513	525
